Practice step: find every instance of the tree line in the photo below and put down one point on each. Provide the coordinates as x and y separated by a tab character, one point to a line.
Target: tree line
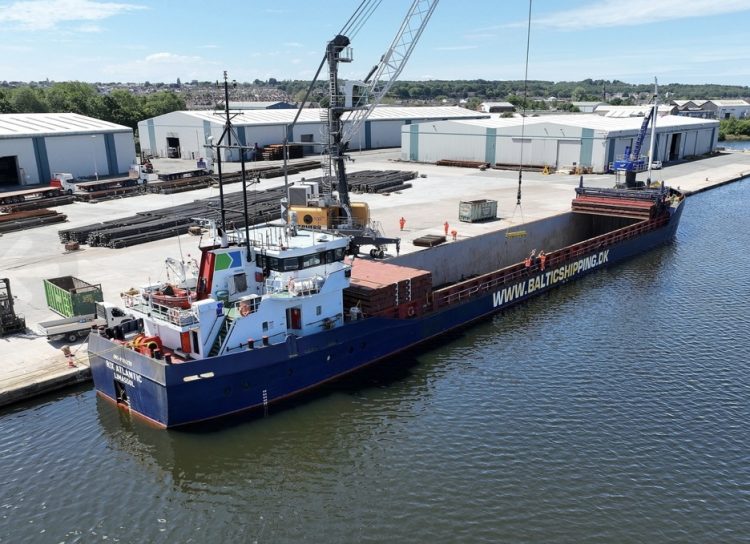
586	90
734	129
119	106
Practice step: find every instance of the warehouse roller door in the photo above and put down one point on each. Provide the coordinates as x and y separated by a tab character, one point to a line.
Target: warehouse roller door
568	153
9	171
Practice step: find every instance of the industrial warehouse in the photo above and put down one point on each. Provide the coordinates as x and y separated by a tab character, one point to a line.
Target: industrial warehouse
33	146
186	134
590	142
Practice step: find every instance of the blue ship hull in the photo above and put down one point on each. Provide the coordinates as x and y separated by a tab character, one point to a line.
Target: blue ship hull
178	394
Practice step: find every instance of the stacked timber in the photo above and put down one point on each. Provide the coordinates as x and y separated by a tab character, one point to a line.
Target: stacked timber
275	152
378	288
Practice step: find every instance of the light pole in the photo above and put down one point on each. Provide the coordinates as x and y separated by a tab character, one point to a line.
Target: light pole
93	154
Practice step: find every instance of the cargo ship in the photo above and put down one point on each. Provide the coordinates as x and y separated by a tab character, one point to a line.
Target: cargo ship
279	309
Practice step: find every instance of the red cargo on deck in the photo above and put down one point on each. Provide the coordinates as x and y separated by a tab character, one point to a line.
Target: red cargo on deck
387	289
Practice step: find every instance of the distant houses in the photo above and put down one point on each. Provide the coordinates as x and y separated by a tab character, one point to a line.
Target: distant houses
713	109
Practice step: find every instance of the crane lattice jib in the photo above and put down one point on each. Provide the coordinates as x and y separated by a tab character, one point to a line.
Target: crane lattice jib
636	154
391	64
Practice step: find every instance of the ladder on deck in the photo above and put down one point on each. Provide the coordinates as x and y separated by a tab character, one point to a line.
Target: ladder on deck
226	327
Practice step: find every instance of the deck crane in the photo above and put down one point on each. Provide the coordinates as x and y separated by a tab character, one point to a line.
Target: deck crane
632	162
344	117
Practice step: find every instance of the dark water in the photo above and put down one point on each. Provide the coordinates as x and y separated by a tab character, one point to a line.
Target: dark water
614	410
736	144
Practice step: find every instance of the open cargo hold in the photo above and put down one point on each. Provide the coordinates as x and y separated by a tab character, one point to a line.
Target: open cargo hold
70	296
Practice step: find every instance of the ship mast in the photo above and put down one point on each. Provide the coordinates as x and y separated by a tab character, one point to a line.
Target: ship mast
652	143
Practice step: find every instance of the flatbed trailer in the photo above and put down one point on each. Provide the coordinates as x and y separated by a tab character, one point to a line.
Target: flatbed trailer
70	328
26	195
184	174
104	184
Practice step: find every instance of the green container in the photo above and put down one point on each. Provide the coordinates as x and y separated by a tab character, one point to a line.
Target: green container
472	211
69	296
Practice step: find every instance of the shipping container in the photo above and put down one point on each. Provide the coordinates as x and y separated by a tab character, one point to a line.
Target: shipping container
471	211
70	296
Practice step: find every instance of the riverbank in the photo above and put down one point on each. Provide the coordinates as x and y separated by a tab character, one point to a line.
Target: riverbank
32	366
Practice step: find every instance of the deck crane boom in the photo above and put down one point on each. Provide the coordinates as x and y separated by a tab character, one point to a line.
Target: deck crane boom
632	162
378	83
346	113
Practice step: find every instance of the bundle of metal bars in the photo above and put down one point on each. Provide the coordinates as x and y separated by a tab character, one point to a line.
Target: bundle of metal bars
166	222
28	219
38	204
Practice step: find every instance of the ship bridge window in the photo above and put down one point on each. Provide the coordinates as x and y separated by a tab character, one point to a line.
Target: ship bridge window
291	264
266	262
311	260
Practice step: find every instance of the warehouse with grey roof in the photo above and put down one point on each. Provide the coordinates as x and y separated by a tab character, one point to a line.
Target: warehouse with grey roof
187	134
33	146
588	141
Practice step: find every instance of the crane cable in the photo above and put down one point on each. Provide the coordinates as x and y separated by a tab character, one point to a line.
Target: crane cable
361	15
523	115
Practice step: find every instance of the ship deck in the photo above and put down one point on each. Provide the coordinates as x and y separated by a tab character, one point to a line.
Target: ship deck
28	257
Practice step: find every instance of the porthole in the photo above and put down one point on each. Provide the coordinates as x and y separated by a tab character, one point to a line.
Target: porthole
307	219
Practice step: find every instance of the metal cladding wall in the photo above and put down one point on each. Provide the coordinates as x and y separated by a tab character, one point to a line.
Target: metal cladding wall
83	155
86	155
540	143
692	143
193	129
438	140
536	145
153	134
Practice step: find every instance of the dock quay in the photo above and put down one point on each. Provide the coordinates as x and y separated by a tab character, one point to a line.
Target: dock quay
31	365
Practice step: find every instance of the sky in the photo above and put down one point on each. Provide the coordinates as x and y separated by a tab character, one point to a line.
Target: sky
678	41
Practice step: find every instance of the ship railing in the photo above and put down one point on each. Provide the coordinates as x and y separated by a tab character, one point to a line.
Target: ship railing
263	342
176	316
480	285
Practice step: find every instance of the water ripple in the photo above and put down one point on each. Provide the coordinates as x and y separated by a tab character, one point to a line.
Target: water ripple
612	410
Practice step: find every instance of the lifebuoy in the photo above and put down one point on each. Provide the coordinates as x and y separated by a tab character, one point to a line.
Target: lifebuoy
244	309
410	311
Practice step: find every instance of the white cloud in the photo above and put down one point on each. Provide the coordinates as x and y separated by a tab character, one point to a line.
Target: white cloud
615	13
15	48
46	14
90	29
292	44
168	58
